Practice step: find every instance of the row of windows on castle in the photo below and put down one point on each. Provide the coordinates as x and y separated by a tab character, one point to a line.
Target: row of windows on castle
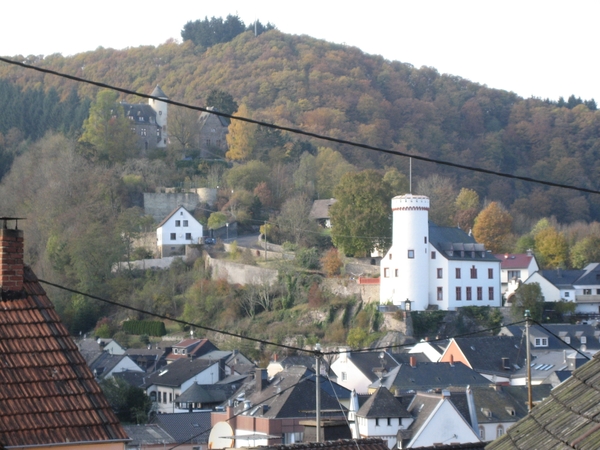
440	273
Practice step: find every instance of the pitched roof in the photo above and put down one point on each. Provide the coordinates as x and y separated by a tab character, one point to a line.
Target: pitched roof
566	419
591	275
514	260
48	394
430	375
562	278
183	426
142	435
320	208
207	393
554	332
382	404
485	354
340	444
171	215
371	364
178	372
455	244
158	92
204	116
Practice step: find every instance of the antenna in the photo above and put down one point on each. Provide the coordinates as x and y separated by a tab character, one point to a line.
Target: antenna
410	175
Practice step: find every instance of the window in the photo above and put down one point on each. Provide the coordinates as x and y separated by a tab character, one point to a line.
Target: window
583	339
173	236
386	272
158	132
567	339
389	420
390	256
458	293
541	342
440	273
153	396
479	293
587	292
208	142
567	294
411	254
185	223
482	433
440	293
469	297
142	132
499	431
170	397
490	293
396	273
514	274
188	236
377	421
597	291
178	223
474	272
491	274
458	273
425	239
344	376
432	255
164	397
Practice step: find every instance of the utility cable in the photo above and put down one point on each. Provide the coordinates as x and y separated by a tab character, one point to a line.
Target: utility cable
303	132
561	340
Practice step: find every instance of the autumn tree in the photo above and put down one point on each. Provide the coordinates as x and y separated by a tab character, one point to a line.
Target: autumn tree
183	127
361	217
397	182
107	130
441	193
331	262
241	138
216	220
331	166
293	222
585	251
552	248
467	208
493	227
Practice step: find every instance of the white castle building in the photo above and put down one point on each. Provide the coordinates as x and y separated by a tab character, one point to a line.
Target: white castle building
435	267
149	121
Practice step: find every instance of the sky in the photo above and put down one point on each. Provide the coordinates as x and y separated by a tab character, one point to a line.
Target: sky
545	49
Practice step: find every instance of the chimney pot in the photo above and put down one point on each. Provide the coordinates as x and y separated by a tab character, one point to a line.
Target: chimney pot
413	361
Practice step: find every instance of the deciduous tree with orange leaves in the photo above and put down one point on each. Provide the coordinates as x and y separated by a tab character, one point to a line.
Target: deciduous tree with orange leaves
493	227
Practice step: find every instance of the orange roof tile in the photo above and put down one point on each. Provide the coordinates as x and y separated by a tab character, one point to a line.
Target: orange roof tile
48	394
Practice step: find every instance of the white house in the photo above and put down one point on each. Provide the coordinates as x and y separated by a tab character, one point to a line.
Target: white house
514	269
431	266
357	370
177	230
579	286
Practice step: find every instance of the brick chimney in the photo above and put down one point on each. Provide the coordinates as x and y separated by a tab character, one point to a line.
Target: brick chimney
11	258
413	361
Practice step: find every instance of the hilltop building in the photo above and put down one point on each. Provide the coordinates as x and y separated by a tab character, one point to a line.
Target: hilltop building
149	122
435	267
212	134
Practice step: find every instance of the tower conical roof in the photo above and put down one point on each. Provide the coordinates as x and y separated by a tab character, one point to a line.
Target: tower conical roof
158	92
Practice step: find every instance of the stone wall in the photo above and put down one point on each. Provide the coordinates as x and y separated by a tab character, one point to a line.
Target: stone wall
343	287
236	273
160	204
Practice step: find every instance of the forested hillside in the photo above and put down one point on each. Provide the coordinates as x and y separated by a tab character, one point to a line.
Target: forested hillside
84	212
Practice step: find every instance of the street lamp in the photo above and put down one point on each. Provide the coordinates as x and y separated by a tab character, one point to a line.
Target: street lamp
227	225
407	303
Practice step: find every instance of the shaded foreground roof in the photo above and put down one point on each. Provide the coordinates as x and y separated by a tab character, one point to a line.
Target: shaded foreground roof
340	444
568	418
48	394
191	428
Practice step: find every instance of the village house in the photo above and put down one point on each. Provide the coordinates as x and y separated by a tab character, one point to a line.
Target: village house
357	370
579	286
212	134
178	229
436	267
514	269
49	398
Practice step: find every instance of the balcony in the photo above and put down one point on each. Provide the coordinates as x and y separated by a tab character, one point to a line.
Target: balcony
587	298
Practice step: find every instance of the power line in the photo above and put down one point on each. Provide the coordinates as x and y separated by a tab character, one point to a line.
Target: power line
303	132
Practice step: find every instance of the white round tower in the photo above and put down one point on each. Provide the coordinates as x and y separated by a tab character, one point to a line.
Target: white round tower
161	115
405	268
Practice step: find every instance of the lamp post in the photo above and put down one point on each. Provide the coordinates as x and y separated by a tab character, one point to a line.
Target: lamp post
407	303
227	225
529	394
318	389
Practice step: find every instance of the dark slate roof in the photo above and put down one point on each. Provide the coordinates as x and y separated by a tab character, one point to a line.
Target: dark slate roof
142	435
430	375
562	278
555	331
205	115
178	372
591	275
382	404
421	408
340	444
320	208
485	353
183	426
104	363
132	378
139	113
48	394
158	92
205	393
289	394
455	244
371	364
298	360
566	419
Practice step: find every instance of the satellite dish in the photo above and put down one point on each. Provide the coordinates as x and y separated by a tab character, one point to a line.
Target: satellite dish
221	436
583	348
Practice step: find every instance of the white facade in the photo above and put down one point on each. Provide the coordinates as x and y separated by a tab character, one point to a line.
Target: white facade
385	428
161	115
459	273
178	229
125	365
348	374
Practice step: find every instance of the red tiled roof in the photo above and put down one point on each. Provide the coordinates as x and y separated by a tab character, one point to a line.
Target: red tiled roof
48	394
514	260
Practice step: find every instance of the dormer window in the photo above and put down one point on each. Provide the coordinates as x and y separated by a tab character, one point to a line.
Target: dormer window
541	342
583	339
510	410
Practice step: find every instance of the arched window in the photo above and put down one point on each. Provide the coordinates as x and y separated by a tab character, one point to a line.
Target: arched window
499	431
